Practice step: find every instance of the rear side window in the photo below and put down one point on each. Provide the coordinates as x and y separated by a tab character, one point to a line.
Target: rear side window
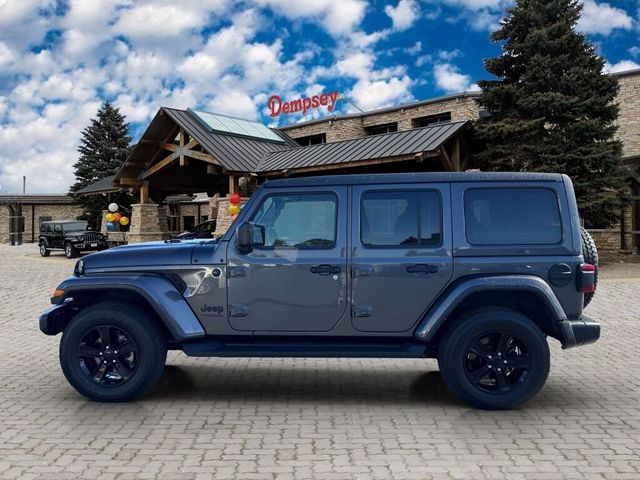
400	218
512	216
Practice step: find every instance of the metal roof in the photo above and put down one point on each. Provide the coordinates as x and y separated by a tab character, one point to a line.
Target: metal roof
426	139
104	185
235	153
418	177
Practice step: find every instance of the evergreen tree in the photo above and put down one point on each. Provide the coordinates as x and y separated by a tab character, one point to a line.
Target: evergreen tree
103	149
552	106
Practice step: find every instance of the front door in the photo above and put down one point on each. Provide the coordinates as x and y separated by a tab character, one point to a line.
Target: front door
401	239
295	277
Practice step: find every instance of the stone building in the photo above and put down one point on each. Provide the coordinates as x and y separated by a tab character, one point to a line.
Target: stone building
34	209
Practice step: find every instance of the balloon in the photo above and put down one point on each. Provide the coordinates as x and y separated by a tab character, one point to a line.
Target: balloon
234	209
117	217
124	220
233	217
113	207
234	199
111	226
110	217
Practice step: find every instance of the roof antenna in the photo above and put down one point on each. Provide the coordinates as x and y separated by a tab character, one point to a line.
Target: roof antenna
347	100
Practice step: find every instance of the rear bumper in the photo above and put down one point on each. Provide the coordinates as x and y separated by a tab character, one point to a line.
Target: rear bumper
55	318
576	333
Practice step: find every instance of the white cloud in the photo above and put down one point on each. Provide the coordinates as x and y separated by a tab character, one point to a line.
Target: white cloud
371	94
602	18
621	66
449	79
404	14
6	54
338	17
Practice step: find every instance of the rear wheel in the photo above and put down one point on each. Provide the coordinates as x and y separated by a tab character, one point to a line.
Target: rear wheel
494	358
112	353
70	251
44	251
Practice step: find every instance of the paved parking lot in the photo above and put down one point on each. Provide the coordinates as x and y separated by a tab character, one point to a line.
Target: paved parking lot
313	418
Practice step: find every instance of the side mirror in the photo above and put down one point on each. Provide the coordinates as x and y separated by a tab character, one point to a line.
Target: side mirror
245	237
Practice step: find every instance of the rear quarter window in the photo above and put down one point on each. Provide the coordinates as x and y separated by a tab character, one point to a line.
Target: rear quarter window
512	216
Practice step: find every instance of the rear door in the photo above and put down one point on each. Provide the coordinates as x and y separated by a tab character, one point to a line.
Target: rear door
295	278
401	237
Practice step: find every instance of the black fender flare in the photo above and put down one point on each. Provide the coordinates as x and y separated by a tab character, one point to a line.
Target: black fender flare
160	293
437	315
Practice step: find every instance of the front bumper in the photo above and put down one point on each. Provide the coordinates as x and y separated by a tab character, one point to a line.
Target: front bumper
576	333
55	318
91	246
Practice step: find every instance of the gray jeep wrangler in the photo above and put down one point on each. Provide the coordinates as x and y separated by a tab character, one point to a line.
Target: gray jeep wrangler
474	269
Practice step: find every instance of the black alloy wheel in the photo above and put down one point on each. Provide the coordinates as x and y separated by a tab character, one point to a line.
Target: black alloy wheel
497	362
113	352
108	355
44	251
494	358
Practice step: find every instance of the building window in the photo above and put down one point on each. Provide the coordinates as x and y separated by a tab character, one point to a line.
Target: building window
204	218
430	120
312	139
382	129
172	223
189	221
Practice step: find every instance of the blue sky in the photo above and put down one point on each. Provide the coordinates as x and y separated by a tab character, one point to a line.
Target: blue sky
60	59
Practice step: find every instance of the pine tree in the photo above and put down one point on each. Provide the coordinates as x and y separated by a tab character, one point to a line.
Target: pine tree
104	146
552	107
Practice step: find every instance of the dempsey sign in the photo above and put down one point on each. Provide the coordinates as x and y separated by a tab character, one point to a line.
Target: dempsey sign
277	105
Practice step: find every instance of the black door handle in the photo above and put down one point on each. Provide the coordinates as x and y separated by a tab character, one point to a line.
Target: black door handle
422	268
325	269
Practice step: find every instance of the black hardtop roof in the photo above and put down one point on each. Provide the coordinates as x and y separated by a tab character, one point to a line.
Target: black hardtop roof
433	177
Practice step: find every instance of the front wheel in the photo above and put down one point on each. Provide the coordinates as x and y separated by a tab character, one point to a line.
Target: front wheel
44	251
70	251
112	353
494	358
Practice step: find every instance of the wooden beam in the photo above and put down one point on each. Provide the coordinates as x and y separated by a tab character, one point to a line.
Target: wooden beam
447	160
165	162
133	182
233	184
456	156
181	140
192	143
205	157
144	192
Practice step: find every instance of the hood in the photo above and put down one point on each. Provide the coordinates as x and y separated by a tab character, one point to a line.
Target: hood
142	255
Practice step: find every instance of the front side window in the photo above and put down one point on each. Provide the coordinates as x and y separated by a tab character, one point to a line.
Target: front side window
512	216
297	221
57	228
400	218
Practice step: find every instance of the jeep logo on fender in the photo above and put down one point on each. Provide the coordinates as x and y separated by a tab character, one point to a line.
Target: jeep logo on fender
212	309
277	106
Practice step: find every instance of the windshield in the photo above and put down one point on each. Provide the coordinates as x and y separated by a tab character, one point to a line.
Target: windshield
74	226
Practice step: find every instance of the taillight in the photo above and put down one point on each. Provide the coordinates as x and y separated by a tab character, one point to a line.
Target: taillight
587	278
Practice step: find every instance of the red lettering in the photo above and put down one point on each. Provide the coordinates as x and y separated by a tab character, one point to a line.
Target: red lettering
275	103
285	108
334	98
315	102
306	105
323	99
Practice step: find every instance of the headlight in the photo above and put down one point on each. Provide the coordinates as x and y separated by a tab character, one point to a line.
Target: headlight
79	268
81	238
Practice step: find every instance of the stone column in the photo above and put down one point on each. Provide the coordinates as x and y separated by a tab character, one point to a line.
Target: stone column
103	223
148	223
4	224
223	219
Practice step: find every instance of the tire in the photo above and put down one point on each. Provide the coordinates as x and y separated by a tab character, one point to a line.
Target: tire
590	254
70	251
526	357
96	375
44	251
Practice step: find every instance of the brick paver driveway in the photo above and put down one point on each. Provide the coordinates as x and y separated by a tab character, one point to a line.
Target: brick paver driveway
312	418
